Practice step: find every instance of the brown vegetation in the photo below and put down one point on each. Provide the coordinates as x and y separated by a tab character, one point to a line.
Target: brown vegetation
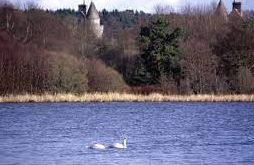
104	79
47	52
40	52
124	97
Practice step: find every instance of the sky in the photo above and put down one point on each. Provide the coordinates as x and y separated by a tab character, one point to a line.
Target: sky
144	5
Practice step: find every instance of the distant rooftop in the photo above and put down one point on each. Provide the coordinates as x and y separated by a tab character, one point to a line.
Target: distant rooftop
93	12
221	10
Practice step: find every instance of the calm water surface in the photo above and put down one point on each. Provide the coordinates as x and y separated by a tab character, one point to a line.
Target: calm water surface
158	133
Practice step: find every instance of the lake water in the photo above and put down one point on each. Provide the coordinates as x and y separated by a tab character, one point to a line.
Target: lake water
158	133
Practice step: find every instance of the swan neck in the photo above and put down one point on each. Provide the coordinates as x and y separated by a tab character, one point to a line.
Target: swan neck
124	142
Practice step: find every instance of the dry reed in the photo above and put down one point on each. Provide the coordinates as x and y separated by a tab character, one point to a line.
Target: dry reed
118	97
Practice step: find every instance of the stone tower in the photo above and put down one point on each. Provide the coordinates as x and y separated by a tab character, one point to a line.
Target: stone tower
82	9
221	11
237	7
92	19
236	12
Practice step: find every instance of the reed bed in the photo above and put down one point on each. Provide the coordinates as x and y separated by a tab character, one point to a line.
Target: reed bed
123	97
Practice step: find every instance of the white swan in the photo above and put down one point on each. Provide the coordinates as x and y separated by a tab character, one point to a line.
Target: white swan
120	145
97	146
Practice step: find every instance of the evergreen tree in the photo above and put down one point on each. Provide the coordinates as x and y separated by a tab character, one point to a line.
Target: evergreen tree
160	51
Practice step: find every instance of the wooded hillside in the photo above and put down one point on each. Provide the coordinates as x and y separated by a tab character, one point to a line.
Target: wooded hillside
192	52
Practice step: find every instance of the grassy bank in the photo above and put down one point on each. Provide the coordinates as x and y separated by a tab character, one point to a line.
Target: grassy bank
117	97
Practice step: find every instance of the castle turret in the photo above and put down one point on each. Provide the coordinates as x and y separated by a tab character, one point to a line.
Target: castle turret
93	21
221	11
236	12
237	7
82	9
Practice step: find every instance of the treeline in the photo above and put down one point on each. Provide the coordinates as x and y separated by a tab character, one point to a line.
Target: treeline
43	52
192	52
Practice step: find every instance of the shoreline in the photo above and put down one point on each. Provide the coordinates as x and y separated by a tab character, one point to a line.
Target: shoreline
122	97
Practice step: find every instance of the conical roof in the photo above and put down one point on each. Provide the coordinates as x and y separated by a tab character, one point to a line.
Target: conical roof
92	12
221	10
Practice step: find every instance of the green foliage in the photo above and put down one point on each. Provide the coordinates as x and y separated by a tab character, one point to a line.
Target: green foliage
125	18
65	12
160	50
138	75
68	74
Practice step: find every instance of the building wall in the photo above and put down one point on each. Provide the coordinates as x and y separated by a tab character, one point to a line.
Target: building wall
96	27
